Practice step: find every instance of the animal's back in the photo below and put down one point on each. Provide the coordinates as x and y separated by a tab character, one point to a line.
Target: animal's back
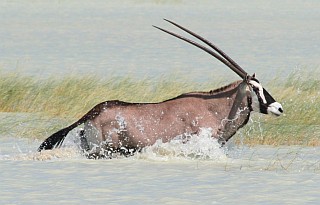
141	124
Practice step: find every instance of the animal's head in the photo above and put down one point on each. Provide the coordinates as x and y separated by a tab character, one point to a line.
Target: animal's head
262	101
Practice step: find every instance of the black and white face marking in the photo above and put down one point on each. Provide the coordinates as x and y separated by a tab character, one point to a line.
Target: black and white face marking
262	101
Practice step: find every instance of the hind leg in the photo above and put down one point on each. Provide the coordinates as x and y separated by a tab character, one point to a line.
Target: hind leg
94	151
84	146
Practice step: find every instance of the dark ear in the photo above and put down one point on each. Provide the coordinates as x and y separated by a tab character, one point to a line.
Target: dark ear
254	75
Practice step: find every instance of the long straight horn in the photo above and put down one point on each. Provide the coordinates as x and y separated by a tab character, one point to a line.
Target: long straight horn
209	44
227	63
230	63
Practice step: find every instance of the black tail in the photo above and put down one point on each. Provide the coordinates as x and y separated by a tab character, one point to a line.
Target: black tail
57	138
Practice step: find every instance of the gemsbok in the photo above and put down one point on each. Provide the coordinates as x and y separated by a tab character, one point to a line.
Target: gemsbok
121	127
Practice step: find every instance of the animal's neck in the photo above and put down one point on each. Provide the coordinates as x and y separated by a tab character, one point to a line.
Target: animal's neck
238	112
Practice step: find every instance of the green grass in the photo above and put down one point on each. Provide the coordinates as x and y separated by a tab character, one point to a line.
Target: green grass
68	98
72	96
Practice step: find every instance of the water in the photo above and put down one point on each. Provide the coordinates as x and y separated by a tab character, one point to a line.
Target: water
162	174
42	39
166	173
116	38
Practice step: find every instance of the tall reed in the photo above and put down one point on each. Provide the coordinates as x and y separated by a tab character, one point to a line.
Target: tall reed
70	97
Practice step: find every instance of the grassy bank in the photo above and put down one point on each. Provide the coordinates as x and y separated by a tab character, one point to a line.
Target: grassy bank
70	97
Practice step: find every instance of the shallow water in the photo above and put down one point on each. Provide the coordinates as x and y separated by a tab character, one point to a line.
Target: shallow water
162	174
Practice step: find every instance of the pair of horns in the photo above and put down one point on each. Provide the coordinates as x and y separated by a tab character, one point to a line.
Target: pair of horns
223	57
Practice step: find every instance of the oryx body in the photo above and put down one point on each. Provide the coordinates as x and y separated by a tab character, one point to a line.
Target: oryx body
116	126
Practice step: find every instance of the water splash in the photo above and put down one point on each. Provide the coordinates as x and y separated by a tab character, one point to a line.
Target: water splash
184	147
23	149
198	146
55	154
